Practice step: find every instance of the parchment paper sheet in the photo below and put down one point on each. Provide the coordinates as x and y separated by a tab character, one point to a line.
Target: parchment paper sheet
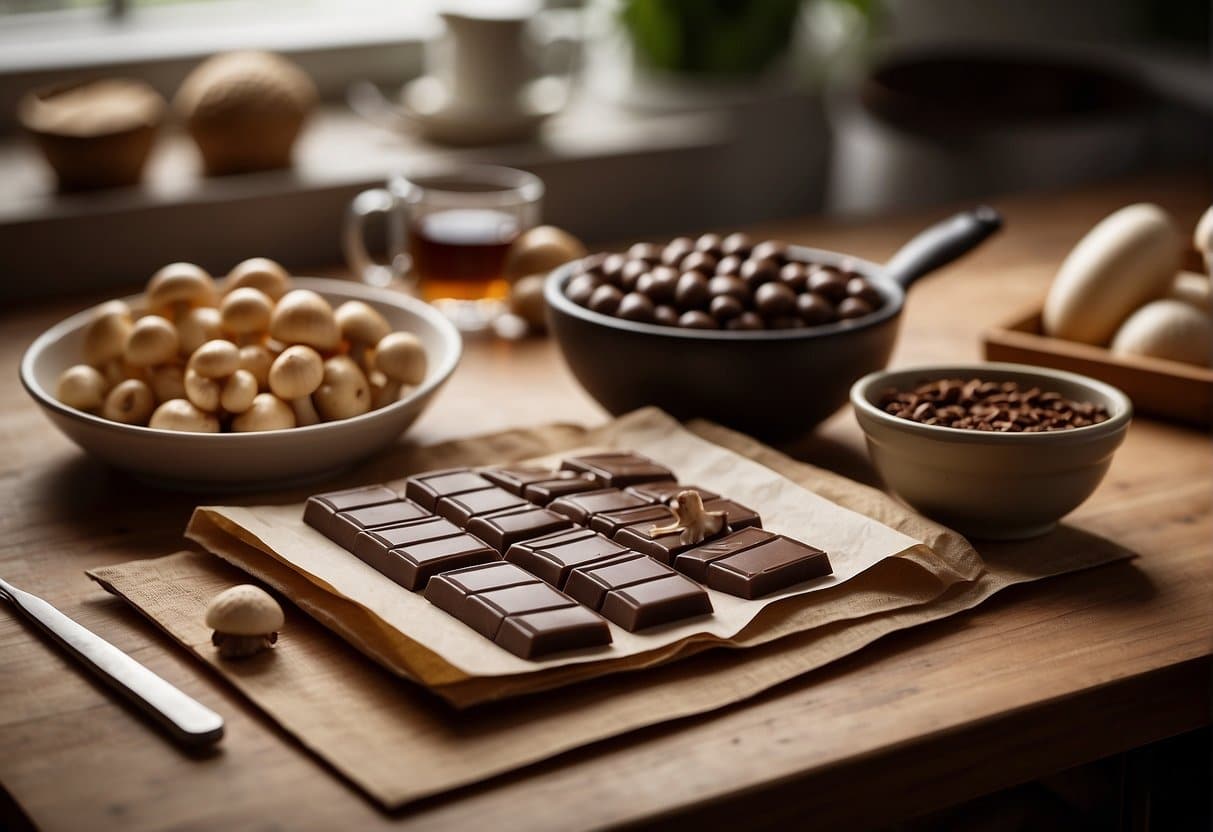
399	744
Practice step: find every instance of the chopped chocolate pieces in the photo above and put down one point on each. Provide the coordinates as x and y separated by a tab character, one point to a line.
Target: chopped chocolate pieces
974	404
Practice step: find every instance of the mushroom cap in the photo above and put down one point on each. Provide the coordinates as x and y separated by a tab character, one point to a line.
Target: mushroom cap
197	326
180	283
238	392
361	323
259	273
246	310
303	317
130	402
345	392
244	610
106	335
540	250
268	412
153	340
81	387
400	356
526	300
215	359
296	373
257	359
202	392
179	414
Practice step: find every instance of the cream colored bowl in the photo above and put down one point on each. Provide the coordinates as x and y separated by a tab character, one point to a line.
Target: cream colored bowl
246	461
1000	486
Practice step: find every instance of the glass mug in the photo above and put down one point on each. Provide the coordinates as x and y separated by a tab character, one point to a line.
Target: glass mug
448	231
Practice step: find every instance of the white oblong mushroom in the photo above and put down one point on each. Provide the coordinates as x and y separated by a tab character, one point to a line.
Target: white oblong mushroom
402	360
130	402
246	620
259	273
238	392
181	415
106	336
362	326
215	359
1169	329
202	392
246	314
167	382
197	326
294	377
268	412
303	317
177	288
257	359
153	340
1126	260
82	387
345	392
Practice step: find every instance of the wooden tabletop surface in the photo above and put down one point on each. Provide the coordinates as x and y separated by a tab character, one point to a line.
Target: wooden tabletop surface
1040	678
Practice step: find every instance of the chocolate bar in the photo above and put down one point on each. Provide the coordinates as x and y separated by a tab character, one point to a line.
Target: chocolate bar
517	610
636	592
664	547
768	567
461	508
694	562
580	508
344	526
662	492
554	556
610	522
618	469
504	529
428	488
374	544
566	482
515	479
319	511
736	515
413	565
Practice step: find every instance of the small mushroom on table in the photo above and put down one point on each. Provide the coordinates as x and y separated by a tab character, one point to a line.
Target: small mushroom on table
246	620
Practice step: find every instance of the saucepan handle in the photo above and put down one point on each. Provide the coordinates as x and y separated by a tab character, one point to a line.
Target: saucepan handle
941	244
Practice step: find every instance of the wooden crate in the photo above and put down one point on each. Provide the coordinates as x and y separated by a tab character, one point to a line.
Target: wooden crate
1164	389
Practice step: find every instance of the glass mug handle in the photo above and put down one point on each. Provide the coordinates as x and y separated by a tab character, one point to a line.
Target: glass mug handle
367	204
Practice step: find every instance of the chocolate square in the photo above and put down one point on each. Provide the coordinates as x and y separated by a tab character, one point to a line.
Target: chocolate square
694	562
610	522
375	543
461	508
486	610
554	556
618	469
319	511
659	601
736	515
663	547
590	583
516	478
428	488
449	591
663	492
768	567
565	482
534	634
504	529
581	507
413	565
347	525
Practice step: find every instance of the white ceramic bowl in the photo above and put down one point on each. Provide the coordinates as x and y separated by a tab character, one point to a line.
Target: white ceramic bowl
246	461
1000	486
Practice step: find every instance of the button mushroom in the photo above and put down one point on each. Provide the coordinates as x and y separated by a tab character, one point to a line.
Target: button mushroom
344	392
214	380
268	412
540	250
401	358
177	288
257	359
294	377
82	387
362	326
182	415
303	317
526	300
105	338
197	326
262	274
167	382
130	402
246	315
692	522
152	341
246	620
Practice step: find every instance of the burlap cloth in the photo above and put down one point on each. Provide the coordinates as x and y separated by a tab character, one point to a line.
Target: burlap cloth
399	744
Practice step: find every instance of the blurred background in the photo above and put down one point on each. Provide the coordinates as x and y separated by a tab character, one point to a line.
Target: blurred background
643	117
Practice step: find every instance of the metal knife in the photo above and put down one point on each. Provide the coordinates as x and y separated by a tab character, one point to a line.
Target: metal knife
186	719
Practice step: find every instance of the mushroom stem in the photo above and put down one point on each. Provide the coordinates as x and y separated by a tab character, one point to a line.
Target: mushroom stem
305	411
238	647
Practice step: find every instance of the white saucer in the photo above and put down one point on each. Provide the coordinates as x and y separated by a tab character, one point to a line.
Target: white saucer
429	109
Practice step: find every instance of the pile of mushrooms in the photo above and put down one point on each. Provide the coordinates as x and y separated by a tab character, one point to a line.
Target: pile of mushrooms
247	353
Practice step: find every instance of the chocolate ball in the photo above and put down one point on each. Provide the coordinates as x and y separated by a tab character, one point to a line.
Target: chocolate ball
773	300
676	249
692	291
591	264
637	307
757	272
696	319
606	299
814	309
795	276
666	314
857	287
853	308
710	243
648	252
785	322
581	287
612	268
699	261
732	286
770	250
827	282
747	321
729	266
725	308
631	272
661	284
736	243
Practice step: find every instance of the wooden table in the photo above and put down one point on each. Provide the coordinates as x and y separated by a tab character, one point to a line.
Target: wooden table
1041	678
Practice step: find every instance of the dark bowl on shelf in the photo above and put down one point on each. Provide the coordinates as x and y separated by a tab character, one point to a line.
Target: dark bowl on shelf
775	384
